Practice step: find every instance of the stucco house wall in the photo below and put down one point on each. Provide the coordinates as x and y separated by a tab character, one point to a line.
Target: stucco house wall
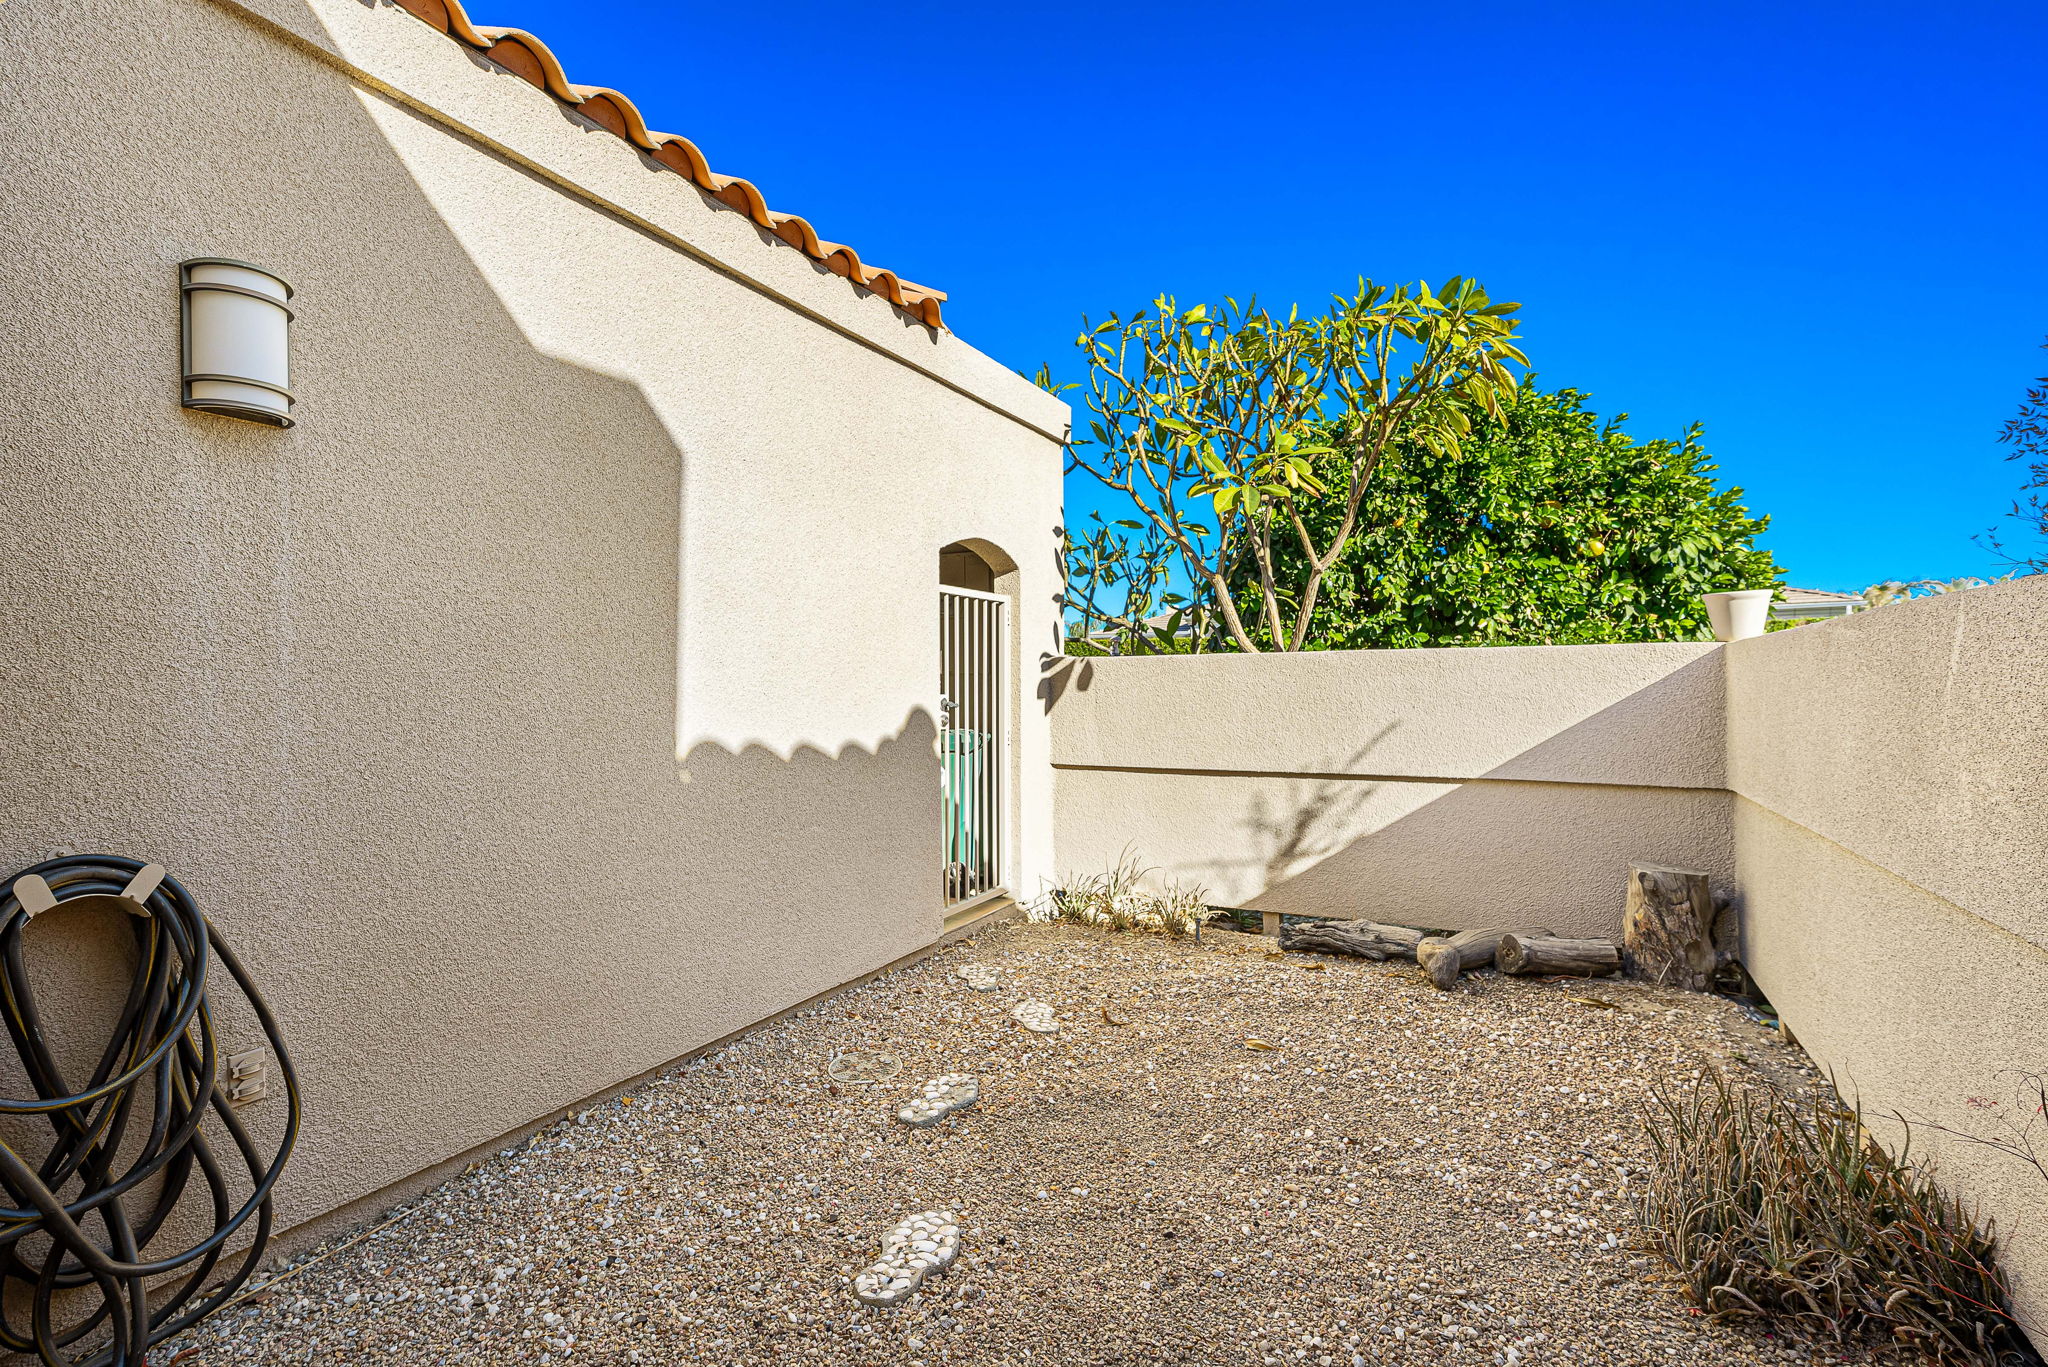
558	695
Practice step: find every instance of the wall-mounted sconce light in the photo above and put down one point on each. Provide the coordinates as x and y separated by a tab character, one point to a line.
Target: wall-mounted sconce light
236	340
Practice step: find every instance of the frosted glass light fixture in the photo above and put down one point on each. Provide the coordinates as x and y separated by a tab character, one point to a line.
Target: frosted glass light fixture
236	328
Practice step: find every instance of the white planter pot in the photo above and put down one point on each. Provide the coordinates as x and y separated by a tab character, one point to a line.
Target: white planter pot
1739	615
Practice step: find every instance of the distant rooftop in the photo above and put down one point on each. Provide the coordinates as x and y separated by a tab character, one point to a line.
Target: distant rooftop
1804	603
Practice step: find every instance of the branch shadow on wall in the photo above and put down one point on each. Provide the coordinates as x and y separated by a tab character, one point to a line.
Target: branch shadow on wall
1304	825
1058	673
1514	842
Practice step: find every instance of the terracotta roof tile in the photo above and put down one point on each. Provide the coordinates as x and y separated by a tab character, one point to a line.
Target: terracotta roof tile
528	58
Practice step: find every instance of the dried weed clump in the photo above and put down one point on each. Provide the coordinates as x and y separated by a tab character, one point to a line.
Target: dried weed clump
1785	1209
1117	900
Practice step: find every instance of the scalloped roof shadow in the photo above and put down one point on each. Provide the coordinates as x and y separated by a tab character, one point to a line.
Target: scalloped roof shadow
528	57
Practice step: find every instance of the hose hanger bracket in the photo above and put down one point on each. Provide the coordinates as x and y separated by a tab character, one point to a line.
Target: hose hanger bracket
33	892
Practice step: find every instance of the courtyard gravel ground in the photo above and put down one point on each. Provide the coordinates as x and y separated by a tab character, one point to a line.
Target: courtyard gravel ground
1224	1156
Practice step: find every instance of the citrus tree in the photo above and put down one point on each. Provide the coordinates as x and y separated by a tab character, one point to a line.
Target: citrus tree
1545	525
1243	443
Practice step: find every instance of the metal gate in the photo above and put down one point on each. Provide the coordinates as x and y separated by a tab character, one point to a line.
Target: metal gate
973	744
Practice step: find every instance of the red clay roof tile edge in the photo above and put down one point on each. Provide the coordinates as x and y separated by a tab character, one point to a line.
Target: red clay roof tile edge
528	58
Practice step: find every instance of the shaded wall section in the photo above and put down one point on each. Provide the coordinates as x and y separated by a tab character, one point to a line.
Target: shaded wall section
1431	787
1891	830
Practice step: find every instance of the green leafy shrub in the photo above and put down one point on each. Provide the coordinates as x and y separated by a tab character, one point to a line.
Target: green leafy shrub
1547	525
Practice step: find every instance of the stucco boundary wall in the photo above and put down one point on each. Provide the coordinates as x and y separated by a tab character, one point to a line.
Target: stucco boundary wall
1447	788
1873	792
1890	773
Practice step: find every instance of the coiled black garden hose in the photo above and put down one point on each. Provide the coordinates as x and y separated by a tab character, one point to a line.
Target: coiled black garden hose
126	1145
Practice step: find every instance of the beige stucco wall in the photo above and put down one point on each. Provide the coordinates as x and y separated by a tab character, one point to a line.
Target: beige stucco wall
1891	832
558	695
1431	787
1916	738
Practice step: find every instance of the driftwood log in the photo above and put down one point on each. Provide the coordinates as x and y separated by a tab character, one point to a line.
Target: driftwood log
1537	954
1667	928
1443	958
1368	939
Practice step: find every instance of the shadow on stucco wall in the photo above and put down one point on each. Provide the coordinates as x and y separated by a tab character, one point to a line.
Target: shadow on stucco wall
1484	853
1431	816
1546	837
1057	674
1305	821
395	691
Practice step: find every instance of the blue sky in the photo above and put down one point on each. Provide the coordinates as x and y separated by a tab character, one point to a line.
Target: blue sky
1820	229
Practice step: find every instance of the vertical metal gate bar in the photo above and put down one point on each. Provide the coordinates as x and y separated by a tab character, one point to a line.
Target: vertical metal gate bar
987	660
976	727
955	873
992	774
979	715
999	751
946	747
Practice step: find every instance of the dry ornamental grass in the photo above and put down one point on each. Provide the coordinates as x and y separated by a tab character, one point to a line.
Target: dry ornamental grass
1119	900
1782	1208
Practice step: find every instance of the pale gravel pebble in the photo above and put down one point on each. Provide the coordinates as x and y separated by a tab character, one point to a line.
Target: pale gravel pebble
1409	1177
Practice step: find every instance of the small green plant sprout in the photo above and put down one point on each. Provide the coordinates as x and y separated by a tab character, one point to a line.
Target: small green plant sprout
1786	1211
